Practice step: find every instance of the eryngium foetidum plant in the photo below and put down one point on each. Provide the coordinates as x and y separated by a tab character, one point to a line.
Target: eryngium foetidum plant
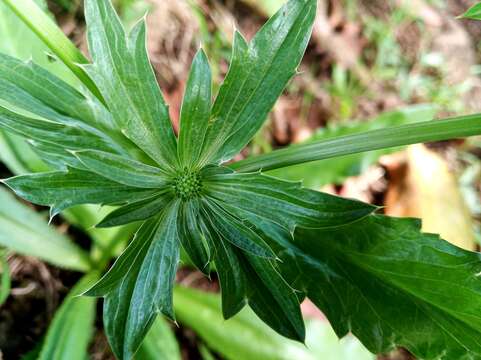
272	242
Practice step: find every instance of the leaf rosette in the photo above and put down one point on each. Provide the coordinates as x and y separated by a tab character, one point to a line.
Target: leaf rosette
125	153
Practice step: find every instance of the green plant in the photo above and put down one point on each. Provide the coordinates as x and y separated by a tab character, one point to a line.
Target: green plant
202	312
316	174
24	231
273	242
474	12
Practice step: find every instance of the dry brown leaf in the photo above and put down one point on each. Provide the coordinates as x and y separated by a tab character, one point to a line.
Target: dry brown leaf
430	191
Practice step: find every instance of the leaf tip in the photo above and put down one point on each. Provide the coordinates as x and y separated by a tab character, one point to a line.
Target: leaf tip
101	225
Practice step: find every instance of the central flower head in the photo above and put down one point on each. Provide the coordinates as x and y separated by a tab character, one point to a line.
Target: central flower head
187	184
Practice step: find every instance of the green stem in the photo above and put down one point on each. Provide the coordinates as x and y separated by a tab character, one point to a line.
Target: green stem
428	131
46	29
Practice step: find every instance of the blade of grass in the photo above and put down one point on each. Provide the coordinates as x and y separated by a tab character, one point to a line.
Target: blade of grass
427	131
5	281
46	29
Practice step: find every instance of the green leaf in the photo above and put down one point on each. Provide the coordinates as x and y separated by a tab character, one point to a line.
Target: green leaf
60	136
257	76
118	286
195	112
285	203
136	210
5	282
134	300
24	231
160	343
474	12
410	289
205	353
45	28
54	156
127	262
192	235
21	42
318	173
61	190
201	312
228	266
20	78
72	327
231	277
236	232
36	90
438	130
18	156
250	276
273	300
123	170
123	73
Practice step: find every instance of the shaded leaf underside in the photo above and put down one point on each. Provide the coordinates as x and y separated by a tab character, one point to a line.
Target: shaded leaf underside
391	285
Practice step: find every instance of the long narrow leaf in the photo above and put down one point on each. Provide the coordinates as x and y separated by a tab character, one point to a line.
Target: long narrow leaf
193	236
24	231
273	300
136	210
285	203
120	287
123	73
61	190
258	74
231	277
123	170
195	112
457	127
146	289
316	174
5	281
160	343
54	38
236	232
43	91
63	136
72	327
